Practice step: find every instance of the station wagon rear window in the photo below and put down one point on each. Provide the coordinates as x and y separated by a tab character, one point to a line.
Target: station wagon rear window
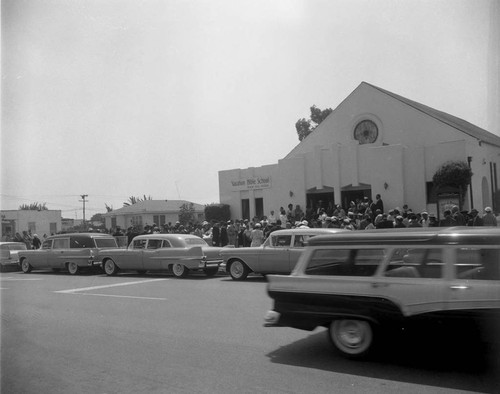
81	242
61	243
478	263
345	262
415	263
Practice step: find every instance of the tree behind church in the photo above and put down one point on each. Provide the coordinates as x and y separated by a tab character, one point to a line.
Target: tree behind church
305	127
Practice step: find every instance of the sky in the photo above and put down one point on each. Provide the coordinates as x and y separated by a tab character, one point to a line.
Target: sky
120	98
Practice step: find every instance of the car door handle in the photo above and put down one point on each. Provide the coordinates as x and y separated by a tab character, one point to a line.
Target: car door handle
459	287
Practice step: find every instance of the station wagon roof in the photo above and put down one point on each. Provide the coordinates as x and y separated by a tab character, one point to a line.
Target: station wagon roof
414	236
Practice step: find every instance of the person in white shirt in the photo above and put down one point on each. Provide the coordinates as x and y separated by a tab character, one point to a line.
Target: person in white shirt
272	218
283	217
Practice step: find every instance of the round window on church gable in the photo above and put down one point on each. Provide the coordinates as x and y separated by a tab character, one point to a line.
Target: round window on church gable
366	132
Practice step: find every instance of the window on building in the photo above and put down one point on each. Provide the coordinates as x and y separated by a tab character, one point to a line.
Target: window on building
32	227
431	193
136	220
113	222
53	228
159	219
245	208
259	207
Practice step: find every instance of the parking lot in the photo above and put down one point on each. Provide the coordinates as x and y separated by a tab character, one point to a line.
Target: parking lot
155	333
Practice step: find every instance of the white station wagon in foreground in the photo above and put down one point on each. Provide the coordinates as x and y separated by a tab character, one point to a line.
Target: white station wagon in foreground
365	283
178	253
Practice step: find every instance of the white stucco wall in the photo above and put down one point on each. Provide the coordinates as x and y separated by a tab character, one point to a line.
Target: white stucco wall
411	146
42	220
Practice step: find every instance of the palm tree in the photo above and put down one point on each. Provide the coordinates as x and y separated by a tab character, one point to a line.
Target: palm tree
35	206
134	200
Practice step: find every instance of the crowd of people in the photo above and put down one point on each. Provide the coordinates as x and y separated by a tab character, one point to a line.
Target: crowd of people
32	241
360	215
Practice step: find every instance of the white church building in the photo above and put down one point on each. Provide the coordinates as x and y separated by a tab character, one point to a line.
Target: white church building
374	142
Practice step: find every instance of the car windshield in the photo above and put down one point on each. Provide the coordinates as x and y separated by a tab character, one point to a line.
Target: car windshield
195	241
106	243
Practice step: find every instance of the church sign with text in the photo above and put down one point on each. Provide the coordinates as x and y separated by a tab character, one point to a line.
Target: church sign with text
251	183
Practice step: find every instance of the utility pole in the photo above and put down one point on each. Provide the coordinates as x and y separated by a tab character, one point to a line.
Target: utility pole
84	201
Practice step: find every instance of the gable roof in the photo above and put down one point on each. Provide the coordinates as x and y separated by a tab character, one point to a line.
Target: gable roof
457	123
149	206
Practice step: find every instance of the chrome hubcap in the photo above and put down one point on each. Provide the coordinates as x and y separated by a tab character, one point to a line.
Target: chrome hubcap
178	269
237	269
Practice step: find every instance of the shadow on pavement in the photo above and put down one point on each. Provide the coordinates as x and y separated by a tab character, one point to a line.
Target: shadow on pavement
473	366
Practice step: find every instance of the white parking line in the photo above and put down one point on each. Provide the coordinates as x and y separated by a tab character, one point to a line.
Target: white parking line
11	278
117	296
106	286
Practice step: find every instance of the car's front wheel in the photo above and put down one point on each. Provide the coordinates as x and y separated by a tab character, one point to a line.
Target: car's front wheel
73	268
352	337
238	270
26	266
180	270
110	268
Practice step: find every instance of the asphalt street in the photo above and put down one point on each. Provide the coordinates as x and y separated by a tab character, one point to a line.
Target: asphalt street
156	334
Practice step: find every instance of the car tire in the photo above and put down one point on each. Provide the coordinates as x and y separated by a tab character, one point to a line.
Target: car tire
210	272
351	337
26	266
73	268
238	270
110	268
180	270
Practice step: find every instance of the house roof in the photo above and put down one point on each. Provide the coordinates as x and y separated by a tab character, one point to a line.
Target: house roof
149	206
457	123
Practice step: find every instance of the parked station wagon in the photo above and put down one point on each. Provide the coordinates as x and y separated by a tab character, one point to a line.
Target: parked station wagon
179	253
277	255
358	282
71	252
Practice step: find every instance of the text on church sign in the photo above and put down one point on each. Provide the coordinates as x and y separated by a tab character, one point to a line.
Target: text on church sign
252	183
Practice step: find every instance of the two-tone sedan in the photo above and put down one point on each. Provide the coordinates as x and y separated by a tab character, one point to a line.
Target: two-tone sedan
178	253
277	255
